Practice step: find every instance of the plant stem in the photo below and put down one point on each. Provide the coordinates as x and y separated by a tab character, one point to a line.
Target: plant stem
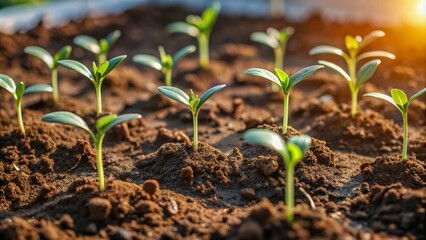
99	164
55	92
19	116
168	77
278	53
98	100
195	120
285	112
289	192
203	44
354	95
101	58
405	144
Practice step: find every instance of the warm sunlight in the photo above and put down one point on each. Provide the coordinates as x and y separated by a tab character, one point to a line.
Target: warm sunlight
422	9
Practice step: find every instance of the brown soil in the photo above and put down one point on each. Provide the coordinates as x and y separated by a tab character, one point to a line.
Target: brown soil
157	187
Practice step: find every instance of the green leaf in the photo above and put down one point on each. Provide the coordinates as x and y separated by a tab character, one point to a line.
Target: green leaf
183	27
38	88
162	52
335	68
303	74
375	54
285	34
19	91
103	45
283	77
194	104
302	141
324	49
113	37
101	70
104	120
209	16
418	94
400	99
369	38
175	94
295	155
67	118
351	44
183	52
42	54
210	93
113	63
78	67
88	43
383	97
264	39
7	83
148	60
366	71
110	122
62	54
267	139
259	72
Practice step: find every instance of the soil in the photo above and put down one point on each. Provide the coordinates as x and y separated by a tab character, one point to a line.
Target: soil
352	183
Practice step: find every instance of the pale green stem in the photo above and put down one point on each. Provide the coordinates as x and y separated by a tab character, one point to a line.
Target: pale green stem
19	116
354	91
405	144
285	112
98	100
168	77
279	58
99	164
195	120
354	96
101	58
289	193
203	43
55	88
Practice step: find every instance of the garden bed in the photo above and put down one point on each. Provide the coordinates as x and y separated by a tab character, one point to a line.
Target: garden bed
228	189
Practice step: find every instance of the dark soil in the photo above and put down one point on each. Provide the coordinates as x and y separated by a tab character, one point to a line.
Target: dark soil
351	184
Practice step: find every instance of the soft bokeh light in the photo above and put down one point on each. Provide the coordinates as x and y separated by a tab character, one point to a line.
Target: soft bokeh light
422	9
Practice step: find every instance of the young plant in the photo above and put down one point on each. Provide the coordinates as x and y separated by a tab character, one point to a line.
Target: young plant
399	100
96	76
199	27
165	63
285	82
277	40
18	91
354	45
103	124
193	102
291	153
51	62
99	48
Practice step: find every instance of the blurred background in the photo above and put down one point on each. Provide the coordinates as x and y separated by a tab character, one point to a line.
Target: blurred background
22	15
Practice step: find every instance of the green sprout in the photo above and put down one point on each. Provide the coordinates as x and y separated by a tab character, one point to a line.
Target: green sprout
165	63
354	45
97	76
291	153
103	124
200	28
285	82
193	102
399	100
99	48
51	62
277	40
18	91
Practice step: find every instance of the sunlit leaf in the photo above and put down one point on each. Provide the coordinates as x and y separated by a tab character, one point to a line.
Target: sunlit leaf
335	68
264	39
381	96
210	93
295	155
7	83
209	16
375	54
42	54
351	44
259	72
183	52
62	54
113	37
303	74
78	67
113	63
400	98
418	94
38	88
366	71
109	122
175	94
267	139
148	60
182	27
88	43
19	91
302	141
369	38
324	49
283	77
67	118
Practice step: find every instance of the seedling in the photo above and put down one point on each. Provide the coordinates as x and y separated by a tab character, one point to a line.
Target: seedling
165	63
291	153
277	40
18	91
51	62
193	102
99	48
354	45
97	76
199	27
103	124
285	82
399	100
